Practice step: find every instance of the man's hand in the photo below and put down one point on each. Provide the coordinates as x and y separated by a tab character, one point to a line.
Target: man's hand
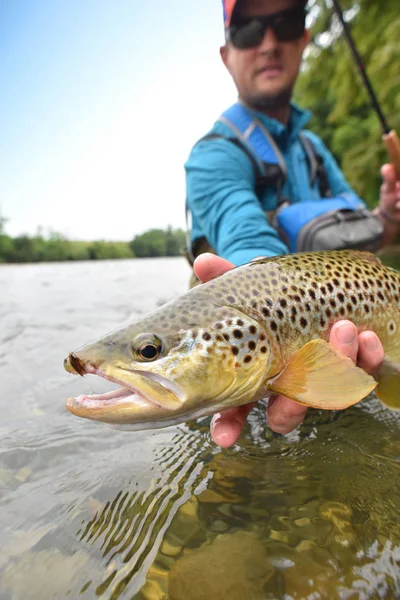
284	414
388	209
389	200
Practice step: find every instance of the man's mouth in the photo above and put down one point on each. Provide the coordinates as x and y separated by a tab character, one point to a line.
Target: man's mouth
270	70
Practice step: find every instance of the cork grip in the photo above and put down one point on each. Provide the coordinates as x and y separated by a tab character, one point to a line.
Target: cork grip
392	144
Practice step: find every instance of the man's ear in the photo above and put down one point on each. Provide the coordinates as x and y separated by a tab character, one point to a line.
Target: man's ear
307	37
223	52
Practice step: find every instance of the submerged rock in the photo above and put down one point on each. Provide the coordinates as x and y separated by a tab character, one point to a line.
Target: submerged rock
231	567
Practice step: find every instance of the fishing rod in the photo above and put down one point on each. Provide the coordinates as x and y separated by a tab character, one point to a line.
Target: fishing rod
389	137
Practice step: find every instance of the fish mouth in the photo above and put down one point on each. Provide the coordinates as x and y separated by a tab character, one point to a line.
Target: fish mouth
145	395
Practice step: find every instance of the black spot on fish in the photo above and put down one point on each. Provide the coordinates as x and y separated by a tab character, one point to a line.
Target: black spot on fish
262	337
247	358
280	314
332	303
303	322
206	337
231	299
266	312
330	287
283	303
340	297
274	326
263	349
226	336
238	334
251	345
235	350
239	323
253	329
219	325
312	295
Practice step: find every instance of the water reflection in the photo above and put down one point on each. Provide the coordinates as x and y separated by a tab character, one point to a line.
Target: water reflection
311	515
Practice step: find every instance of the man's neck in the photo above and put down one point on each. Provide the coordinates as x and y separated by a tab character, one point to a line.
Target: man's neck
281	113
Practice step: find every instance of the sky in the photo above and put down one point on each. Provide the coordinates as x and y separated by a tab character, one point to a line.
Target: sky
100	104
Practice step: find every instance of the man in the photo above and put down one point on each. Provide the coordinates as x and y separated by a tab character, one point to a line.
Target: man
265	41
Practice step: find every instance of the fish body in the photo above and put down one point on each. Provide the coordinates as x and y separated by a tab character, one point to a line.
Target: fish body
260	328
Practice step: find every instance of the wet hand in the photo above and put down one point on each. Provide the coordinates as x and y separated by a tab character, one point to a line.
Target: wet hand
284	414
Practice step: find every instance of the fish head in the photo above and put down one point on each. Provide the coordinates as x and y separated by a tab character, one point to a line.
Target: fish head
179	363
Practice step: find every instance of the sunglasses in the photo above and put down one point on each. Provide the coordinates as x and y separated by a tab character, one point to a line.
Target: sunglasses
249	32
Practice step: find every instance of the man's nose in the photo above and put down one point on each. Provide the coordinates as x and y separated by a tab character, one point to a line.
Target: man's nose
269	41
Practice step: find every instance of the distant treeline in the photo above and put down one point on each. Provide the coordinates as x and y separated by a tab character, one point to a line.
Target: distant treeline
56	247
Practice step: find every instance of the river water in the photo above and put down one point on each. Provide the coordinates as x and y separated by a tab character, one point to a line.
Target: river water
91	512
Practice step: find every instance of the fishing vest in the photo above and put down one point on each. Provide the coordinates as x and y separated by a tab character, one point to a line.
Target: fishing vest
329	223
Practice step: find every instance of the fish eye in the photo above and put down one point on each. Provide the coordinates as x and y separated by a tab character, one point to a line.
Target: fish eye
147	347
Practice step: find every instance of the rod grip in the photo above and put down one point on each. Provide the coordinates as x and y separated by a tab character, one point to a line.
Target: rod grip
392	144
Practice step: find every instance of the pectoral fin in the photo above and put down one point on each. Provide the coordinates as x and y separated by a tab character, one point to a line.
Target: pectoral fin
320	376
388	390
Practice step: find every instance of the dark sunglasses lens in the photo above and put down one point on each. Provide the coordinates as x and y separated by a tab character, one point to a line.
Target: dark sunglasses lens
288	28
248	34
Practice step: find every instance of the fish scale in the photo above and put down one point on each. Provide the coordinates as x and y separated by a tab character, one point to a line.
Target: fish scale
260	328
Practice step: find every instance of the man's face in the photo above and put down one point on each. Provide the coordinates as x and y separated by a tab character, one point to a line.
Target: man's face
265	75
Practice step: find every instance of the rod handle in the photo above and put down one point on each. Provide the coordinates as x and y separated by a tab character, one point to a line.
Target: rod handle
392	144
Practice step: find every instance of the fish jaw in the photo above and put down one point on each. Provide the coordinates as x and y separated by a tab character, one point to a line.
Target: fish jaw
143	397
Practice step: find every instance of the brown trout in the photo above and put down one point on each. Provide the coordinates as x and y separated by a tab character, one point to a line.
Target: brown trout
259	329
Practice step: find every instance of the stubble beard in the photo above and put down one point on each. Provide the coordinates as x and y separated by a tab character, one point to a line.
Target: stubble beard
273	102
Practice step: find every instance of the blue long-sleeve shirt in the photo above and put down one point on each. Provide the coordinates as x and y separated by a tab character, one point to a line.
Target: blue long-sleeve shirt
220	186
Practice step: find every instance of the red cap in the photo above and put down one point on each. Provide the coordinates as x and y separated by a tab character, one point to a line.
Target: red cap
229	6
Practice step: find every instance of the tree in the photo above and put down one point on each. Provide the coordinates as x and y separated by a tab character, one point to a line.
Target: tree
331	87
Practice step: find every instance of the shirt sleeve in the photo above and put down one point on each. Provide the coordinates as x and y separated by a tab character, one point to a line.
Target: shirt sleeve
337	181
220	195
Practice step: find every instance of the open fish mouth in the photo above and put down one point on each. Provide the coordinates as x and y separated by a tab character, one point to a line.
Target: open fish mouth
109	400
144	395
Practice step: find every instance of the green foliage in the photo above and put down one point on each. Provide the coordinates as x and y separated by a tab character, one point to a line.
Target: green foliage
157	242
105	250
55	247
331	86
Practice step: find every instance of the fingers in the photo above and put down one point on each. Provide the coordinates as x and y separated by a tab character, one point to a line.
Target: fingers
388	173
365	349
226	426
390	189
370	352
284	414
344	337
208	266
